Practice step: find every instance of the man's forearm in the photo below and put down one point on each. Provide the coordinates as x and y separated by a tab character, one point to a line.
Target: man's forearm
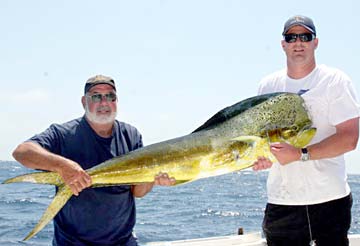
34	156
344	140
142	190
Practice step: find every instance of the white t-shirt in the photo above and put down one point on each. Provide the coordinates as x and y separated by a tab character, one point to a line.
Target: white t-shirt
331	99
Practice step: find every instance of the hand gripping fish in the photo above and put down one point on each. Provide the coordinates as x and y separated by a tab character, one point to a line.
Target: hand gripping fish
229	141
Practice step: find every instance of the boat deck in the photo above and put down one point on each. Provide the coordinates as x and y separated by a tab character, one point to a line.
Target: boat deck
251	239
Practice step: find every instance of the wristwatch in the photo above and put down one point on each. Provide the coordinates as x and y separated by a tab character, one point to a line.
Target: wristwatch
305	156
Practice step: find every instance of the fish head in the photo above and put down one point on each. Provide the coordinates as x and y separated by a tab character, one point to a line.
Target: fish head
287	120
297	138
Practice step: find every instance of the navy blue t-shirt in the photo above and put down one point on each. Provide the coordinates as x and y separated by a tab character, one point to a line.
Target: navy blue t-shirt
98	216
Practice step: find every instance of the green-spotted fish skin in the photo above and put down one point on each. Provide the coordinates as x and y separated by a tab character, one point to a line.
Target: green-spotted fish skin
229	141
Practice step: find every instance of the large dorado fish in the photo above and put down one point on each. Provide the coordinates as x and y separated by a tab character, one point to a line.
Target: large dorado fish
229	141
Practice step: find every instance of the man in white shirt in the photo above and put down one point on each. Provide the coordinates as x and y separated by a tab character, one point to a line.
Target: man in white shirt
309	199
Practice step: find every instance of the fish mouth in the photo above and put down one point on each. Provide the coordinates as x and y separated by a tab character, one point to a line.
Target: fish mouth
292	135
303	137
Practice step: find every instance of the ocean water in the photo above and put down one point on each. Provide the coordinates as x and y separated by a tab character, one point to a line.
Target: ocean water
209	207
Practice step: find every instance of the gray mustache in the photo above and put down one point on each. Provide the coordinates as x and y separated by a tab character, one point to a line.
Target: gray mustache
101	108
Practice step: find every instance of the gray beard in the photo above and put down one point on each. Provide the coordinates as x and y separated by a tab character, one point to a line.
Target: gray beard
102	119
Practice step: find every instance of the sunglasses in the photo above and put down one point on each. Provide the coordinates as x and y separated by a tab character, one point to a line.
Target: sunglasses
96	98
304	37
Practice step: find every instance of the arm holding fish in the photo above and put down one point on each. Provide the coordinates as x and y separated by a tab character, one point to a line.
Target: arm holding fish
344	140
32	155
161	179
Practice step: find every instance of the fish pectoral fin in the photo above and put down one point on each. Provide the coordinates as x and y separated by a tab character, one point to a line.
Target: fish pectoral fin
62	196
257	147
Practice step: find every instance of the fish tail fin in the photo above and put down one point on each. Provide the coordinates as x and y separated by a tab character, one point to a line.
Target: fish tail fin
52	178
62	196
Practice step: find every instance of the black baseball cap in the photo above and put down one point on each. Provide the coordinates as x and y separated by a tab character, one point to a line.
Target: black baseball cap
299	20
98	79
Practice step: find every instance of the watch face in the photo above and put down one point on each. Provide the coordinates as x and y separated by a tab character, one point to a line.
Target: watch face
304	154
304	157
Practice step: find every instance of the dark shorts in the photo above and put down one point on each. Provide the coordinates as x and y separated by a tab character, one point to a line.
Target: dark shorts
131	241
289	225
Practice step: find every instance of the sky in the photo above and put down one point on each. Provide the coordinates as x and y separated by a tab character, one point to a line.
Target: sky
175	63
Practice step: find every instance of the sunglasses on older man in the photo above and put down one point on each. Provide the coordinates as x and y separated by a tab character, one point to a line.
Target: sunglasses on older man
96	98
304	37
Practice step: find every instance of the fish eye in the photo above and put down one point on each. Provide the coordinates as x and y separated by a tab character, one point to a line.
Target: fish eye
295	128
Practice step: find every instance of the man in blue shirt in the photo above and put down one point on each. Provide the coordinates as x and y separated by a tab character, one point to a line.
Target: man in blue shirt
96	216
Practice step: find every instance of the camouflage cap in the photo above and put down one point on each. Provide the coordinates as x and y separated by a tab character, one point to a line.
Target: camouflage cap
98	79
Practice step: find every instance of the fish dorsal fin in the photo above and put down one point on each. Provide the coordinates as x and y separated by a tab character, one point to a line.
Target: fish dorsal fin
234	110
